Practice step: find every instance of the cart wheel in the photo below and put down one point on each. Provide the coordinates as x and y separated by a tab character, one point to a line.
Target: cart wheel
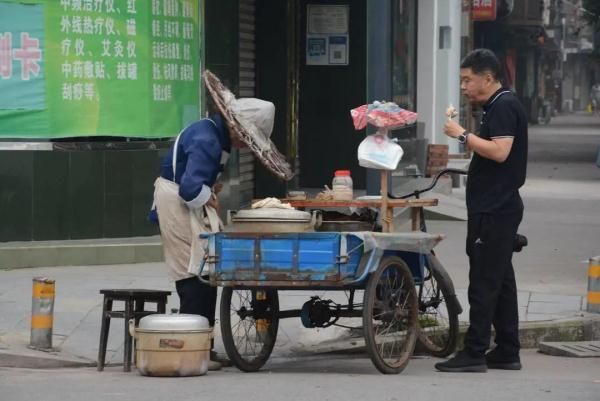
249	324
390	315
438	318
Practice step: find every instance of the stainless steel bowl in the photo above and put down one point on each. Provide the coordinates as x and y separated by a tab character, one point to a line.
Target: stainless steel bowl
271	220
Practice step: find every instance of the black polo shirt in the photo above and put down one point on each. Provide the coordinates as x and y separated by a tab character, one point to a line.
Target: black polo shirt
493	187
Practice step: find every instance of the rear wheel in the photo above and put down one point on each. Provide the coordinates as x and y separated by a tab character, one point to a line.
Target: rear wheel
438	318
249	325
390	315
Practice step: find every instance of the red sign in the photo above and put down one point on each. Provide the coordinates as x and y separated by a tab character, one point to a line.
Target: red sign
483	10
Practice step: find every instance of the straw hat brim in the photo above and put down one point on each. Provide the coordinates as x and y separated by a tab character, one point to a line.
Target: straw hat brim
270	157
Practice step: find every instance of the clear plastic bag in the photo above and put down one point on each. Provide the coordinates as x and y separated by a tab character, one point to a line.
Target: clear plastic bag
379	152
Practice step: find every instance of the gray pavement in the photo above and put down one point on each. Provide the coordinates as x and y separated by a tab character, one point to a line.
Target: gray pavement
562	221
329	377
78	306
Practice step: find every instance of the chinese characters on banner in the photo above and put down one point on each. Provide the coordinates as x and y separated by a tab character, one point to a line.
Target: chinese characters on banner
90	41
173	33
22	66
28	55
98	67
483	10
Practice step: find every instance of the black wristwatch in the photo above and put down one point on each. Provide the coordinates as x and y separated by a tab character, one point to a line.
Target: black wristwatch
462	138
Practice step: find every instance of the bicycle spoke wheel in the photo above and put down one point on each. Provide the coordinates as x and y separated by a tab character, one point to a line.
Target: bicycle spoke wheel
438	320
390	315
249	325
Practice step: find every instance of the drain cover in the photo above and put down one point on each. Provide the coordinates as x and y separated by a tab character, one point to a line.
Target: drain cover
577	349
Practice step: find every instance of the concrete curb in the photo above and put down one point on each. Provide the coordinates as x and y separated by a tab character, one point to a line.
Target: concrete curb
37	360
17	255
584	328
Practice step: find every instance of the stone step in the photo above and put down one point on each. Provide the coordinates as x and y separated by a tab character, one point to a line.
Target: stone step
577	349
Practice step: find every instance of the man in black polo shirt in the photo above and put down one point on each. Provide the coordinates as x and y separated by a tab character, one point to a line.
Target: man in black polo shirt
495	210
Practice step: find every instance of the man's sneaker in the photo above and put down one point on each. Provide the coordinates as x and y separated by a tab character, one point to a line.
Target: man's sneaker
495	360
463	362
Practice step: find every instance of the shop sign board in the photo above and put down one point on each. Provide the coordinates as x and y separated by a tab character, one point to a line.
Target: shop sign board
327	39
483	10
71	68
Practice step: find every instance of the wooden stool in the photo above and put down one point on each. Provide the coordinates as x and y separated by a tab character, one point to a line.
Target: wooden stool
134	309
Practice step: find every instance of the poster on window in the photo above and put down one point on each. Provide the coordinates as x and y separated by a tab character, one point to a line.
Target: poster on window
71	68
327	35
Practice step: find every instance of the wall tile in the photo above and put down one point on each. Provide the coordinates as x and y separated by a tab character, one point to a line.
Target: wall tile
50	195
86	194
16	189
118	190
146	168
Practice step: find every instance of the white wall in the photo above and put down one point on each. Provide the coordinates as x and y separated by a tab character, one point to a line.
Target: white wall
438	68
427	37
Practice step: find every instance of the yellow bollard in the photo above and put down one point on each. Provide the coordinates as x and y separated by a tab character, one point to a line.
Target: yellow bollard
42	313
593	295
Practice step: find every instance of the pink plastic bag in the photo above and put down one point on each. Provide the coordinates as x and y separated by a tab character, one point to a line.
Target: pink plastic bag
382	115
359	117
382	119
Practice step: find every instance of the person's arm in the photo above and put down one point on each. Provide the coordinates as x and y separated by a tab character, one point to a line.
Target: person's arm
496	149
203	165
502	124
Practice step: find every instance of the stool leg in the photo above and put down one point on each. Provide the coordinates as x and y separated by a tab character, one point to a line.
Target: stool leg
161	305
139	307
128	340
106	308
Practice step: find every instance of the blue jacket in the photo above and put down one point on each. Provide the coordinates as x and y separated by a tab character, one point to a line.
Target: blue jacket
199	161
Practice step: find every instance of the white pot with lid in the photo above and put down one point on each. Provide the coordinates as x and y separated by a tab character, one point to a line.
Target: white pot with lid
271	220
172	345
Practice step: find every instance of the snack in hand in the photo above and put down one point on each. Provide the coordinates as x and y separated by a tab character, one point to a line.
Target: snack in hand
451	112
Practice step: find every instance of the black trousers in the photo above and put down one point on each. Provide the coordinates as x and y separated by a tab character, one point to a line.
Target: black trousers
197	298
492	285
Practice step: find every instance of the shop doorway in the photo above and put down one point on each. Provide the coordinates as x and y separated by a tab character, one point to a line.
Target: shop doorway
313	89
327	139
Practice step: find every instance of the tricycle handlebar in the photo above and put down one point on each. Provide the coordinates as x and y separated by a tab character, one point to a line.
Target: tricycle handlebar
418	192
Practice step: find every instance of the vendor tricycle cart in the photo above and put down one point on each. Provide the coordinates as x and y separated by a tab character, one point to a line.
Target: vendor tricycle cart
408	297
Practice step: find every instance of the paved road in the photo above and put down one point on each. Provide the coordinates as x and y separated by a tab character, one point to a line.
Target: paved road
326	378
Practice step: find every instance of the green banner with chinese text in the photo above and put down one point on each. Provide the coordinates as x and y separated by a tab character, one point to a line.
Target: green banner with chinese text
71	68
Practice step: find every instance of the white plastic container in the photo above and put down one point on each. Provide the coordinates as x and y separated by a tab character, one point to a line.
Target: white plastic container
342	185
172	345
